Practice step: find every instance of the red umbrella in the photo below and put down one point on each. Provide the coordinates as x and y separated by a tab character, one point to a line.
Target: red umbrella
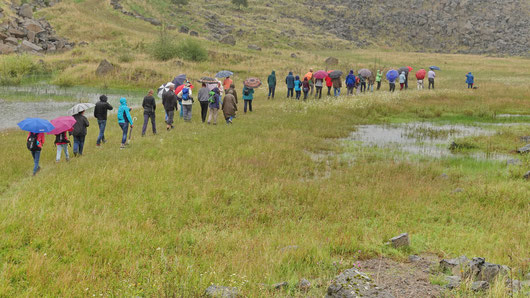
410	68
321	74
62	124
252	82
179	88
420	74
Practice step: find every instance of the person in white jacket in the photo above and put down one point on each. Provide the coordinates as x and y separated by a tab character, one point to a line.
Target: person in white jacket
187	101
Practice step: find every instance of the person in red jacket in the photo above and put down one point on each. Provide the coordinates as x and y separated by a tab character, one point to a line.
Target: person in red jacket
35	142
329	84
61	141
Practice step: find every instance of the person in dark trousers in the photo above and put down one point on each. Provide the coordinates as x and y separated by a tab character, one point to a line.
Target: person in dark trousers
203	101
319	83
378	78
100	113
289	81
61	141
80	132
362	80
169	100
124	120
248	96
272	84
149	106
406	80
470	80
329	84
431	75
35	142
392	85
337	84
350	82
306	87
298	87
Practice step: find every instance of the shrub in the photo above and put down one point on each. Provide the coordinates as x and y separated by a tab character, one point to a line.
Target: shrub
13	68
192	50
164	48
240	3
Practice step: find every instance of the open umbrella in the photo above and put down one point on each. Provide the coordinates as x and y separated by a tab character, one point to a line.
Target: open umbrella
208	80
321	74
62	124
252	82
224	74
434	68
179	88
164	88
420	74
365	72
35	125
80	107
392	75
410	68
404	69
335	74
179	80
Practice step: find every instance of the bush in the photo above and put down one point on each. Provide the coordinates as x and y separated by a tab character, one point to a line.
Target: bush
14	68
164	48
192	50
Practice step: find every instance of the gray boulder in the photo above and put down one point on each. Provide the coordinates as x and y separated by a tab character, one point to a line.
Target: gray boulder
453	281
254	47
26	11
304	285
456	266
353	283
524	149
105	67
400	241
29	46
293	55
7	49
11	41
16	32
229	40
33	26
480	286
332	61
280	285
527	175
221	292
194	33
184	29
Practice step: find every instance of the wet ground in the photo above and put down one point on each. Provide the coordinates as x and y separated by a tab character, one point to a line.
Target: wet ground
48	101
421	139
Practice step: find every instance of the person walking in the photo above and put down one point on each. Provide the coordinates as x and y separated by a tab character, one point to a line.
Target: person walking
124	120
234	93
100	113
371	83
310	81
227	82
229	106
337	84
406	80
392	85
80	133
213	105
35	141
297	87
169	101
203	101
289	81
350	82
470	80
378	78
431	75
329	84
362	81
319	83
272	84
305	87
420	84
149	106
61	141
248	96
402	80
187	101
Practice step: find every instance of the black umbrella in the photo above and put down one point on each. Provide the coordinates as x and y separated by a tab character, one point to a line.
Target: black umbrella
404	69
208	80
335	74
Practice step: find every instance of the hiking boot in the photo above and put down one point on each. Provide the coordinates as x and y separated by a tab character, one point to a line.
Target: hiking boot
122	146
98	145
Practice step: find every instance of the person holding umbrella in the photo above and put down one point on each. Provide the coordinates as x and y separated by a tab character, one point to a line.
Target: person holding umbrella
391	76
100	113
350	82
62	125
378	78
337	84
420	76
169	101
402	80
271	80
187	101
470	80
329	84
203	101
80	132
35	140
431	75
227	82
124	120
149	106
289	81
319	83
310	81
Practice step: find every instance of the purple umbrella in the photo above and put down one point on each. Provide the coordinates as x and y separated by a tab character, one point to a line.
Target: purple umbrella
62	124
179	80
392	75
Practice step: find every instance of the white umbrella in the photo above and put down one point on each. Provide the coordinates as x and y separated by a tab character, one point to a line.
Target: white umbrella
80	107
164	88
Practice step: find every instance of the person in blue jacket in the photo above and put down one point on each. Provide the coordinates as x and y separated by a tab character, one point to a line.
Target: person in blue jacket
470	80
124	120
298	87
289	81
350	82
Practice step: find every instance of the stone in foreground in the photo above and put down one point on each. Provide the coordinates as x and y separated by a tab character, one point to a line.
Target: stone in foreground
480	286
221	292
400	241
524	149
353	283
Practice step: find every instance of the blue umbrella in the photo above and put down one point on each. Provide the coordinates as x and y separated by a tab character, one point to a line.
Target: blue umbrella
36	125
434	68
224	74
179	80
392	75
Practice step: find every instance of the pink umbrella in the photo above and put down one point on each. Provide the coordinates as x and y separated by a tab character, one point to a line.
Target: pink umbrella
62	124
321	74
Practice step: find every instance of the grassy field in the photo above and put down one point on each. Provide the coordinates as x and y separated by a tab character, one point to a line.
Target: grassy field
274	197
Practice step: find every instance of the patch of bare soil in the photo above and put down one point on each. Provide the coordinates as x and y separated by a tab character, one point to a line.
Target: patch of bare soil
410	279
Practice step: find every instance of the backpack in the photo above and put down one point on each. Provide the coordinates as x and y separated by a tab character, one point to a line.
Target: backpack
32	143
185	94
61	138
246	92
350	81
211	99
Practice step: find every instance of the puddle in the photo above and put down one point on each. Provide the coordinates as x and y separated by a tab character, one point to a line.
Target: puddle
511	116
421	139
12	112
